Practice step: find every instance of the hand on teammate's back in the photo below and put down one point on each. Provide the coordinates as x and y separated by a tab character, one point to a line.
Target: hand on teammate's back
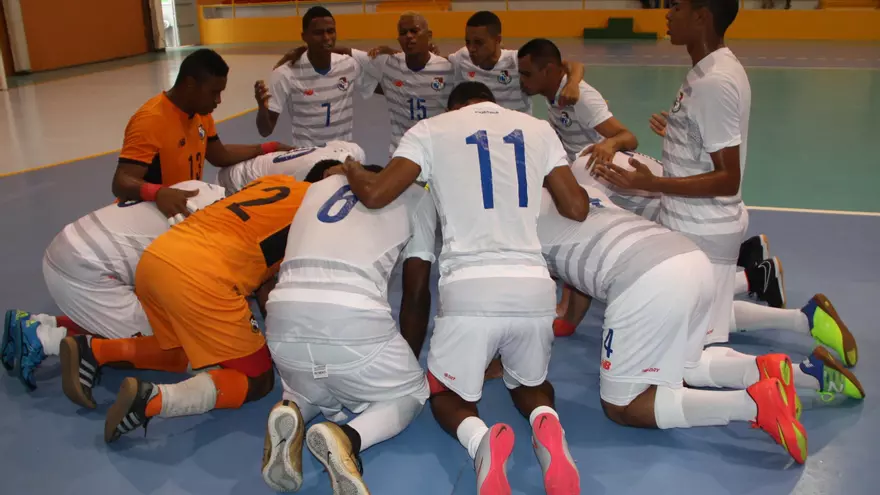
602	152
291	57
172	202
640	178
658	123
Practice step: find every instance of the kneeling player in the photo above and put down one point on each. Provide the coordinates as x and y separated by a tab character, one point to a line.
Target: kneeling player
295	163
658	287
89	270
192	282
333	337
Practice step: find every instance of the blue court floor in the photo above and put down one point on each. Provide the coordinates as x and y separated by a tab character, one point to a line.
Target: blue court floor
811	133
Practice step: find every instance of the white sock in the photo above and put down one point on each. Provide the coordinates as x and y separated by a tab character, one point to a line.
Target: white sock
686	407
804	380
751	316
539	411
723	367
45	319
196	395
383	420
470	433
740	283
51	337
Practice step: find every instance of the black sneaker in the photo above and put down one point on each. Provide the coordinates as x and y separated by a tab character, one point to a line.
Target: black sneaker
766	282
753	251
80	371
130	409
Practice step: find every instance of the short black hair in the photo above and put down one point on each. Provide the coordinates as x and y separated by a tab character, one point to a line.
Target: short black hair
486	19
201	64
374	168
314	13
469	90
317	171
723	12
542	51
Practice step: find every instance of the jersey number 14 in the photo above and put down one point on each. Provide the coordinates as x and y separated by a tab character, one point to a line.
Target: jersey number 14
481	139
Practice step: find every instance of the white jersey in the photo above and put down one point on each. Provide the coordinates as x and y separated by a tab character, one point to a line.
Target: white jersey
295	163
114	237
485	166
413	95
710	113
576	124
643	203
603	255
342	253
503	79
320	105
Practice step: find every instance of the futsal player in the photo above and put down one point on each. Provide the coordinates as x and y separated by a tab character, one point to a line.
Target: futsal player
89	270
192	282
496	294
333	337
170	136
295	163
317	91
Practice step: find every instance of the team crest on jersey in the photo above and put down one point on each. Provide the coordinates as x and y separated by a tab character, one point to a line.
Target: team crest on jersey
343	84
677	105
201	132
438	83
504	77
565	119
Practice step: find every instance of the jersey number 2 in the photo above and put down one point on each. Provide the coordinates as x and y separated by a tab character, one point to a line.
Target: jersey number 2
342	194
481	139
238	208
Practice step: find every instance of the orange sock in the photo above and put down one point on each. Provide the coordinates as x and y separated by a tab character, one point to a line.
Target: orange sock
232	388
154	406
142	353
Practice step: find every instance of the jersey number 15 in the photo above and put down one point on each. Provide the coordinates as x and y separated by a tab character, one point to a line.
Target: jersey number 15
481	139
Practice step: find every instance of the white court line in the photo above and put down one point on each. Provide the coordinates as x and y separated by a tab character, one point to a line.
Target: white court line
820	212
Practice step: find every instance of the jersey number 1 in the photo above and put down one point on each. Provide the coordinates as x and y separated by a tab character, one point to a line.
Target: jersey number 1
481	139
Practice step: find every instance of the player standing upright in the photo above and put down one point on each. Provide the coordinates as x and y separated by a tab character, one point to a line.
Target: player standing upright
485	166
317	91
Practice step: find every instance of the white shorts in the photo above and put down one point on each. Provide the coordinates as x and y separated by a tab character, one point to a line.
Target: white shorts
722	305
333	377
655	328
462	347
102	305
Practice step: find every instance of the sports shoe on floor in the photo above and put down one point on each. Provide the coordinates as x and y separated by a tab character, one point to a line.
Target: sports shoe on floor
832	376
329	444
766	282
490	462
8	346
776	418
130	409
560	474
779	366
30	353
79	370
828	329
753	250
282	450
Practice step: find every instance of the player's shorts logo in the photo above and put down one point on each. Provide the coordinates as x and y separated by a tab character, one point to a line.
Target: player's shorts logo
437	84
255	327
343	84
504	77
565	119
201	132
677	105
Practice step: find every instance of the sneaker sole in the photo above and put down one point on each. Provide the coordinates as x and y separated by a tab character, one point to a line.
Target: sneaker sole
781	282
826	357
785	375
342	481
70	384
7	325
561	477
283	425
500	448
128	392
850	349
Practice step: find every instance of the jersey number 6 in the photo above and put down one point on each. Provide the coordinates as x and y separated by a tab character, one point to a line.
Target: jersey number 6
481	139
342	194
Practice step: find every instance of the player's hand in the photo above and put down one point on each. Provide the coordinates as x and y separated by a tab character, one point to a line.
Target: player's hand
658	123
640	178
350	164
602	152
381	50
291	57
172	202
569	95
433	48
261	93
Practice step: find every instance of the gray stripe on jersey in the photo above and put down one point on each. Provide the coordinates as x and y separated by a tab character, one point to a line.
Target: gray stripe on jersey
600	265
665	211
641	257
349	71
331	128
96	248
291	265
119	249
385	264
502	262
333	286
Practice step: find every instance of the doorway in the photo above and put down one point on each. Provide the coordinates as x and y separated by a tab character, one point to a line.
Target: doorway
181	23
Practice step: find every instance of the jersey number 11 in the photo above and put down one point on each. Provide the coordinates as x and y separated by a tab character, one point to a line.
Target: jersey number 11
481	139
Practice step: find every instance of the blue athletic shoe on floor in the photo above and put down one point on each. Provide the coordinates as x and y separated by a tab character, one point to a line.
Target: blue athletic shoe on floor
8	346
30	353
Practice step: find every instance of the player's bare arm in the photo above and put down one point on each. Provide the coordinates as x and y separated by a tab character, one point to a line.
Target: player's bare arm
378	190
617	138
571	200
723	181
225	155
266	119
129	185
571	91
415	305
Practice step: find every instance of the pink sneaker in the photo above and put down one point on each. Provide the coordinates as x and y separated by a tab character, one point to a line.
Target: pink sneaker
560	474
491	460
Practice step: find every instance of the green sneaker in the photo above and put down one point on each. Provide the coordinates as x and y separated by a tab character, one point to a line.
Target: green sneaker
833	377
828	329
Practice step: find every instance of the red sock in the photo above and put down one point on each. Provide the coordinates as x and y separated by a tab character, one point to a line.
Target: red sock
72	328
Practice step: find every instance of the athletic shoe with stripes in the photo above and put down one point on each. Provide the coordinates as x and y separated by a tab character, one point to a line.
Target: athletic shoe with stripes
490	462
282	449
130	409
560	474
80	371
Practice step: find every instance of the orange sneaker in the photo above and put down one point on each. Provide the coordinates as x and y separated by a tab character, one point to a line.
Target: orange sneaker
779	366
775	417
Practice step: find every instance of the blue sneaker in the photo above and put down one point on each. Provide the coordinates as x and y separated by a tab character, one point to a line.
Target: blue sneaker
9	345
30	353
